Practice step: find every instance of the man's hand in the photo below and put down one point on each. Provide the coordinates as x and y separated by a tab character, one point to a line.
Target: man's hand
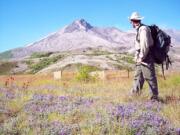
135	59
139	60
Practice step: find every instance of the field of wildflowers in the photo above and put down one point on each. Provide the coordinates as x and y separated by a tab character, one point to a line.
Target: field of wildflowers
39	105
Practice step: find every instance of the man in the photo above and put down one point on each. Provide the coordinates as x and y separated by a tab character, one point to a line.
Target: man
145	69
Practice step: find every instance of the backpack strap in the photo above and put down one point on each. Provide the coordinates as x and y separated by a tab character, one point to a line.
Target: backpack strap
138	32
168	62
162	66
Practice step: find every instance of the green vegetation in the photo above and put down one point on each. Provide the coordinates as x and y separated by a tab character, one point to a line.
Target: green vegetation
29	63
6	55
175	80
126	58
83	73
6	67
40	54
44	62
98	52
40	65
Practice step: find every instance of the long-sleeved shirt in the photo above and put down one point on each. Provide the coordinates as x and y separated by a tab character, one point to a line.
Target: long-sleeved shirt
143	42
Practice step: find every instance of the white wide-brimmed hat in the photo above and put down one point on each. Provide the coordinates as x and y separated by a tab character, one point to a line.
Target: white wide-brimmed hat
135	16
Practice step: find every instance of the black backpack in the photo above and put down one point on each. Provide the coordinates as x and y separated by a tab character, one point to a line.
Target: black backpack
160	49
162	44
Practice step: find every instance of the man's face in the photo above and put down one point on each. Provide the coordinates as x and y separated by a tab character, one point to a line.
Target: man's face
135	23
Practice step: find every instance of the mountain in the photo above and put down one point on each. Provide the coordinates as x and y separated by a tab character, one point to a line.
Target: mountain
78	35
81	43
81	35
175	36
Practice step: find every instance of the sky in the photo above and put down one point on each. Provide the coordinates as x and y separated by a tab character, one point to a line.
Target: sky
25	21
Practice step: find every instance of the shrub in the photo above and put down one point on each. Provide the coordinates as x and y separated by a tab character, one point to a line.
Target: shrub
83	73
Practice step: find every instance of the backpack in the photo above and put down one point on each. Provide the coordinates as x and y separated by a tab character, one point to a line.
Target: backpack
160	49
162	43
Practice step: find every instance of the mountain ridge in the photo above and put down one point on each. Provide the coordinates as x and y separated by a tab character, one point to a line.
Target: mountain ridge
80	35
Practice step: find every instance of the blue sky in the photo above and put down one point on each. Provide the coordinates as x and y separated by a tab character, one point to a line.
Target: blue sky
25	21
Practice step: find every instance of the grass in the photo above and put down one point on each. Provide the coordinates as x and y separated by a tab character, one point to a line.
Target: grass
91	119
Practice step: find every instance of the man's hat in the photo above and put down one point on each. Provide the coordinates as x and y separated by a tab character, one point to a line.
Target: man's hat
135	16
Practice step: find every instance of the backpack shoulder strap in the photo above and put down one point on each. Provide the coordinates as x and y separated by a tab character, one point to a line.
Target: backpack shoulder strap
168	62
162	66
138	32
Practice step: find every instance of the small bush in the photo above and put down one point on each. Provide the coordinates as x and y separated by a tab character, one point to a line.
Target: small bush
83	73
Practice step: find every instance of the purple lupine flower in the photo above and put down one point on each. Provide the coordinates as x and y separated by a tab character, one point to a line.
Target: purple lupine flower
10	95
142	116
155	106
62	98
178	131
123	111
37	97
42	97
